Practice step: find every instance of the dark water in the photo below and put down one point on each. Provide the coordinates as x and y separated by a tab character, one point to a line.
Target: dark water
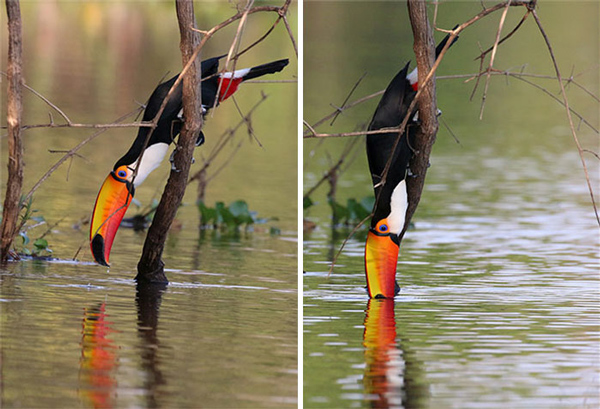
224	332
499	277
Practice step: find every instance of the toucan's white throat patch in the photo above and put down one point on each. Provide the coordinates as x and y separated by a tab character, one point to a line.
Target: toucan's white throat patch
398	206
151	159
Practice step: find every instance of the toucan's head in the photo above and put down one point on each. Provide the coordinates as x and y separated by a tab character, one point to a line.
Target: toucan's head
111	204
383	242
119	186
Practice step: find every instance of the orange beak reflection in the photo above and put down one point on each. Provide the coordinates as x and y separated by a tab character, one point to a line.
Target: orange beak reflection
113	200
381	258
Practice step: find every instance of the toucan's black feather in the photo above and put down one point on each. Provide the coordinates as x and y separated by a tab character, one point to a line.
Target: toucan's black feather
389	114
442	43
169	124
268	68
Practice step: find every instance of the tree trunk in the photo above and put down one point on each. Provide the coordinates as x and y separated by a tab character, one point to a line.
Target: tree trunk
424	48
150	266
10	216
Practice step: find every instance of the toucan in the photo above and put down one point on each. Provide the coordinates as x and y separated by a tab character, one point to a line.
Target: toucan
132	169
391	200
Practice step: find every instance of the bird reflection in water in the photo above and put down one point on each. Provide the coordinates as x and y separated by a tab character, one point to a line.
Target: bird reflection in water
99	359
392	374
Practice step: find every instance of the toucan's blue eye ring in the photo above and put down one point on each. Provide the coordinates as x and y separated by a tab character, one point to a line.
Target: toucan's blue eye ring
122	172
382	226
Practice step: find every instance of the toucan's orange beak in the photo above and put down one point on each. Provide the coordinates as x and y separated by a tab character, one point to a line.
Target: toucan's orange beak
381	258
111	204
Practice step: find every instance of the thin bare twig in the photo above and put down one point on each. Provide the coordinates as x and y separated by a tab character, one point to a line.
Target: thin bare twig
492	58
248	123
224	140
340	110
506	37
71	153
354	230
289	30
311	128
333	169
568	111
592	152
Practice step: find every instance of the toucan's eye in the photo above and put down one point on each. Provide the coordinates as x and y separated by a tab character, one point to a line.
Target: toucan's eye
122	172
382	226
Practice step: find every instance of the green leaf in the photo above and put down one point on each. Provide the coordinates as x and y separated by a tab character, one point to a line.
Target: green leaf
356	211
340	213
206	213
224	216
238	208
307	203
40	244
241	213
367	203
274	231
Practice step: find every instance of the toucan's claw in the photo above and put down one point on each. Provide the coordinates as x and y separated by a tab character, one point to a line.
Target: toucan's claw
172	160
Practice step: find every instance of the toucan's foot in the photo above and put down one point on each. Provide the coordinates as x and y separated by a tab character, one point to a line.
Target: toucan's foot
172	160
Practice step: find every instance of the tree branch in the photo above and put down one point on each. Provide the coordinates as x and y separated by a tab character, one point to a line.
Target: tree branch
424	47
151	266
10	216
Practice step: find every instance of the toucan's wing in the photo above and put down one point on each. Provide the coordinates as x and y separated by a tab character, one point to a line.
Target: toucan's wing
390	113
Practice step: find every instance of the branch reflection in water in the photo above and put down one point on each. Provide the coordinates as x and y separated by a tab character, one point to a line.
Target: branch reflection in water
392	373
148	300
